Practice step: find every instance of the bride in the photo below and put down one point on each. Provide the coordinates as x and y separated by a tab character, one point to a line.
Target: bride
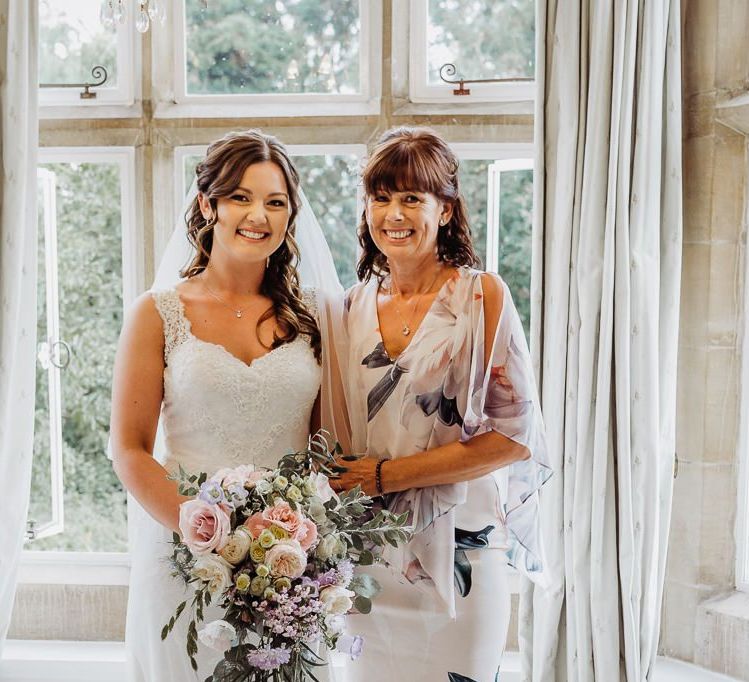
226	362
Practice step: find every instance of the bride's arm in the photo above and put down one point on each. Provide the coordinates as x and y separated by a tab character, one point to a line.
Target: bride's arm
137	391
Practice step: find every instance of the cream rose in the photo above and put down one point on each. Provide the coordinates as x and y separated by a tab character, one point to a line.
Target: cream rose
215	571
286	559
205	527
337	600
237	546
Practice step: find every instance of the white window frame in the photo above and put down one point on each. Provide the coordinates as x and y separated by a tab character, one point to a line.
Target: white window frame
173	101
95	568
110	102
47	347
742	512
421	91
505	157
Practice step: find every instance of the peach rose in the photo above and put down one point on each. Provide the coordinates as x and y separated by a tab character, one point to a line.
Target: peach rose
256	524
205	527
282	515
307	534
286	559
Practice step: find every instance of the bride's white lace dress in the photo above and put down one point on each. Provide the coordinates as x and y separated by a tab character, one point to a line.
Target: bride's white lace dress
217	412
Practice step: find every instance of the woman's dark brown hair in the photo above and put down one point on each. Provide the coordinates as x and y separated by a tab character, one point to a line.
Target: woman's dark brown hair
218	175
416	160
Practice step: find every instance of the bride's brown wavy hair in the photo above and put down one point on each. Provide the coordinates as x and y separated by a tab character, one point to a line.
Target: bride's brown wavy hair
418	160
218	175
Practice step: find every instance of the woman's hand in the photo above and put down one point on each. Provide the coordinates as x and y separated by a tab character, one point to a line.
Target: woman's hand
356	471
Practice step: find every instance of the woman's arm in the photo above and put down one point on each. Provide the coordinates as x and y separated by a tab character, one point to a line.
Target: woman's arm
137	391
445	464
453	462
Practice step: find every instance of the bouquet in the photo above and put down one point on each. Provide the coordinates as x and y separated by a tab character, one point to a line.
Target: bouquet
276	549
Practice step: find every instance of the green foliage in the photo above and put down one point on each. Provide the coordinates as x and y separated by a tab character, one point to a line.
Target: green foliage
241	46
483	39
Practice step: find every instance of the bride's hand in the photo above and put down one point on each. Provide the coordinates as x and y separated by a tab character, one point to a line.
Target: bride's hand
355	471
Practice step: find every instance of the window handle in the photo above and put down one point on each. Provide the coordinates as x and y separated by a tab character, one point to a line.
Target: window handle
56	358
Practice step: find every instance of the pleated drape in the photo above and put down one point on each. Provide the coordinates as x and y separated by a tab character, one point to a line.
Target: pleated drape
18	152
607	260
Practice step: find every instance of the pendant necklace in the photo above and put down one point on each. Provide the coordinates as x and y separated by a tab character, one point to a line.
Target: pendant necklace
237	311
406	329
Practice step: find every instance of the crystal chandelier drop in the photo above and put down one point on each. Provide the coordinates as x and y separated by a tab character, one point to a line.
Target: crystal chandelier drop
146	12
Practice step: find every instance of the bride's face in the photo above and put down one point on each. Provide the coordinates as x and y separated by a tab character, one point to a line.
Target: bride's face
253	219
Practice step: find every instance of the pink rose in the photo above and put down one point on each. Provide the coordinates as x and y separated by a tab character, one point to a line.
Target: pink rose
307	534
286	559
244	475
282	515
256	524
205	527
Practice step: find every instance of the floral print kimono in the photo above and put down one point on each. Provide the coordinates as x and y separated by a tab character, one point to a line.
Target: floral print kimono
444	608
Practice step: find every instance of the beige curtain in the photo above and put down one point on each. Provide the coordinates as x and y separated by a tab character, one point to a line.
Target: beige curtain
18	147
607	258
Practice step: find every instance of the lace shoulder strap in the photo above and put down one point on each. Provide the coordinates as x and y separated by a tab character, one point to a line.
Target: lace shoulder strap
176	325
309	298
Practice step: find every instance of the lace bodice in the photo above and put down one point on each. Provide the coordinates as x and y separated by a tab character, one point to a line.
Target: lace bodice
217	411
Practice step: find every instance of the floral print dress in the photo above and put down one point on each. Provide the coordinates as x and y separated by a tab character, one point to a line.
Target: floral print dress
444	608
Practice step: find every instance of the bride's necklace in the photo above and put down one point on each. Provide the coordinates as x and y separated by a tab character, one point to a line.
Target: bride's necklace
237	311
406	328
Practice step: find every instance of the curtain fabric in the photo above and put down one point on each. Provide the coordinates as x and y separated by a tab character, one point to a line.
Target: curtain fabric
607	261
18	244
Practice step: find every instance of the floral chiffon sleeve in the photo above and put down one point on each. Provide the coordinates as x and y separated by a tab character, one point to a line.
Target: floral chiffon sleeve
502	397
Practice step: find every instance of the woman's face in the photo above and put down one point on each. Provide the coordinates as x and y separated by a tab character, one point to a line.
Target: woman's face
253	219
404	225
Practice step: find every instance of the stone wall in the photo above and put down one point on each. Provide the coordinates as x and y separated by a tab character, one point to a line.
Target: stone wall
702	545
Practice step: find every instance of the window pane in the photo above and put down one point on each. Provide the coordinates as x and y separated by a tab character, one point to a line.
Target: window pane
330	182
483	38
516	205
286	46
89	244
72	41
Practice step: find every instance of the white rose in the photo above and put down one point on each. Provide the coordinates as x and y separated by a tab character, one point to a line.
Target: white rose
322	486
215	571
235	550
326	547
337	600
217	635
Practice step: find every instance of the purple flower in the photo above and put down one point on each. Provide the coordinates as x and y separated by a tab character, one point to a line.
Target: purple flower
237	494
268	659
211	492
327	578
345	571
350	645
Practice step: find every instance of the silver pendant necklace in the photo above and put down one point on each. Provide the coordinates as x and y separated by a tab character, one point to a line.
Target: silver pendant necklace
237	311
406	329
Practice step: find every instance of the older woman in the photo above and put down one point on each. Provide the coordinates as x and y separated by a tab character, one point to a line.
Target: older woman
441	398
